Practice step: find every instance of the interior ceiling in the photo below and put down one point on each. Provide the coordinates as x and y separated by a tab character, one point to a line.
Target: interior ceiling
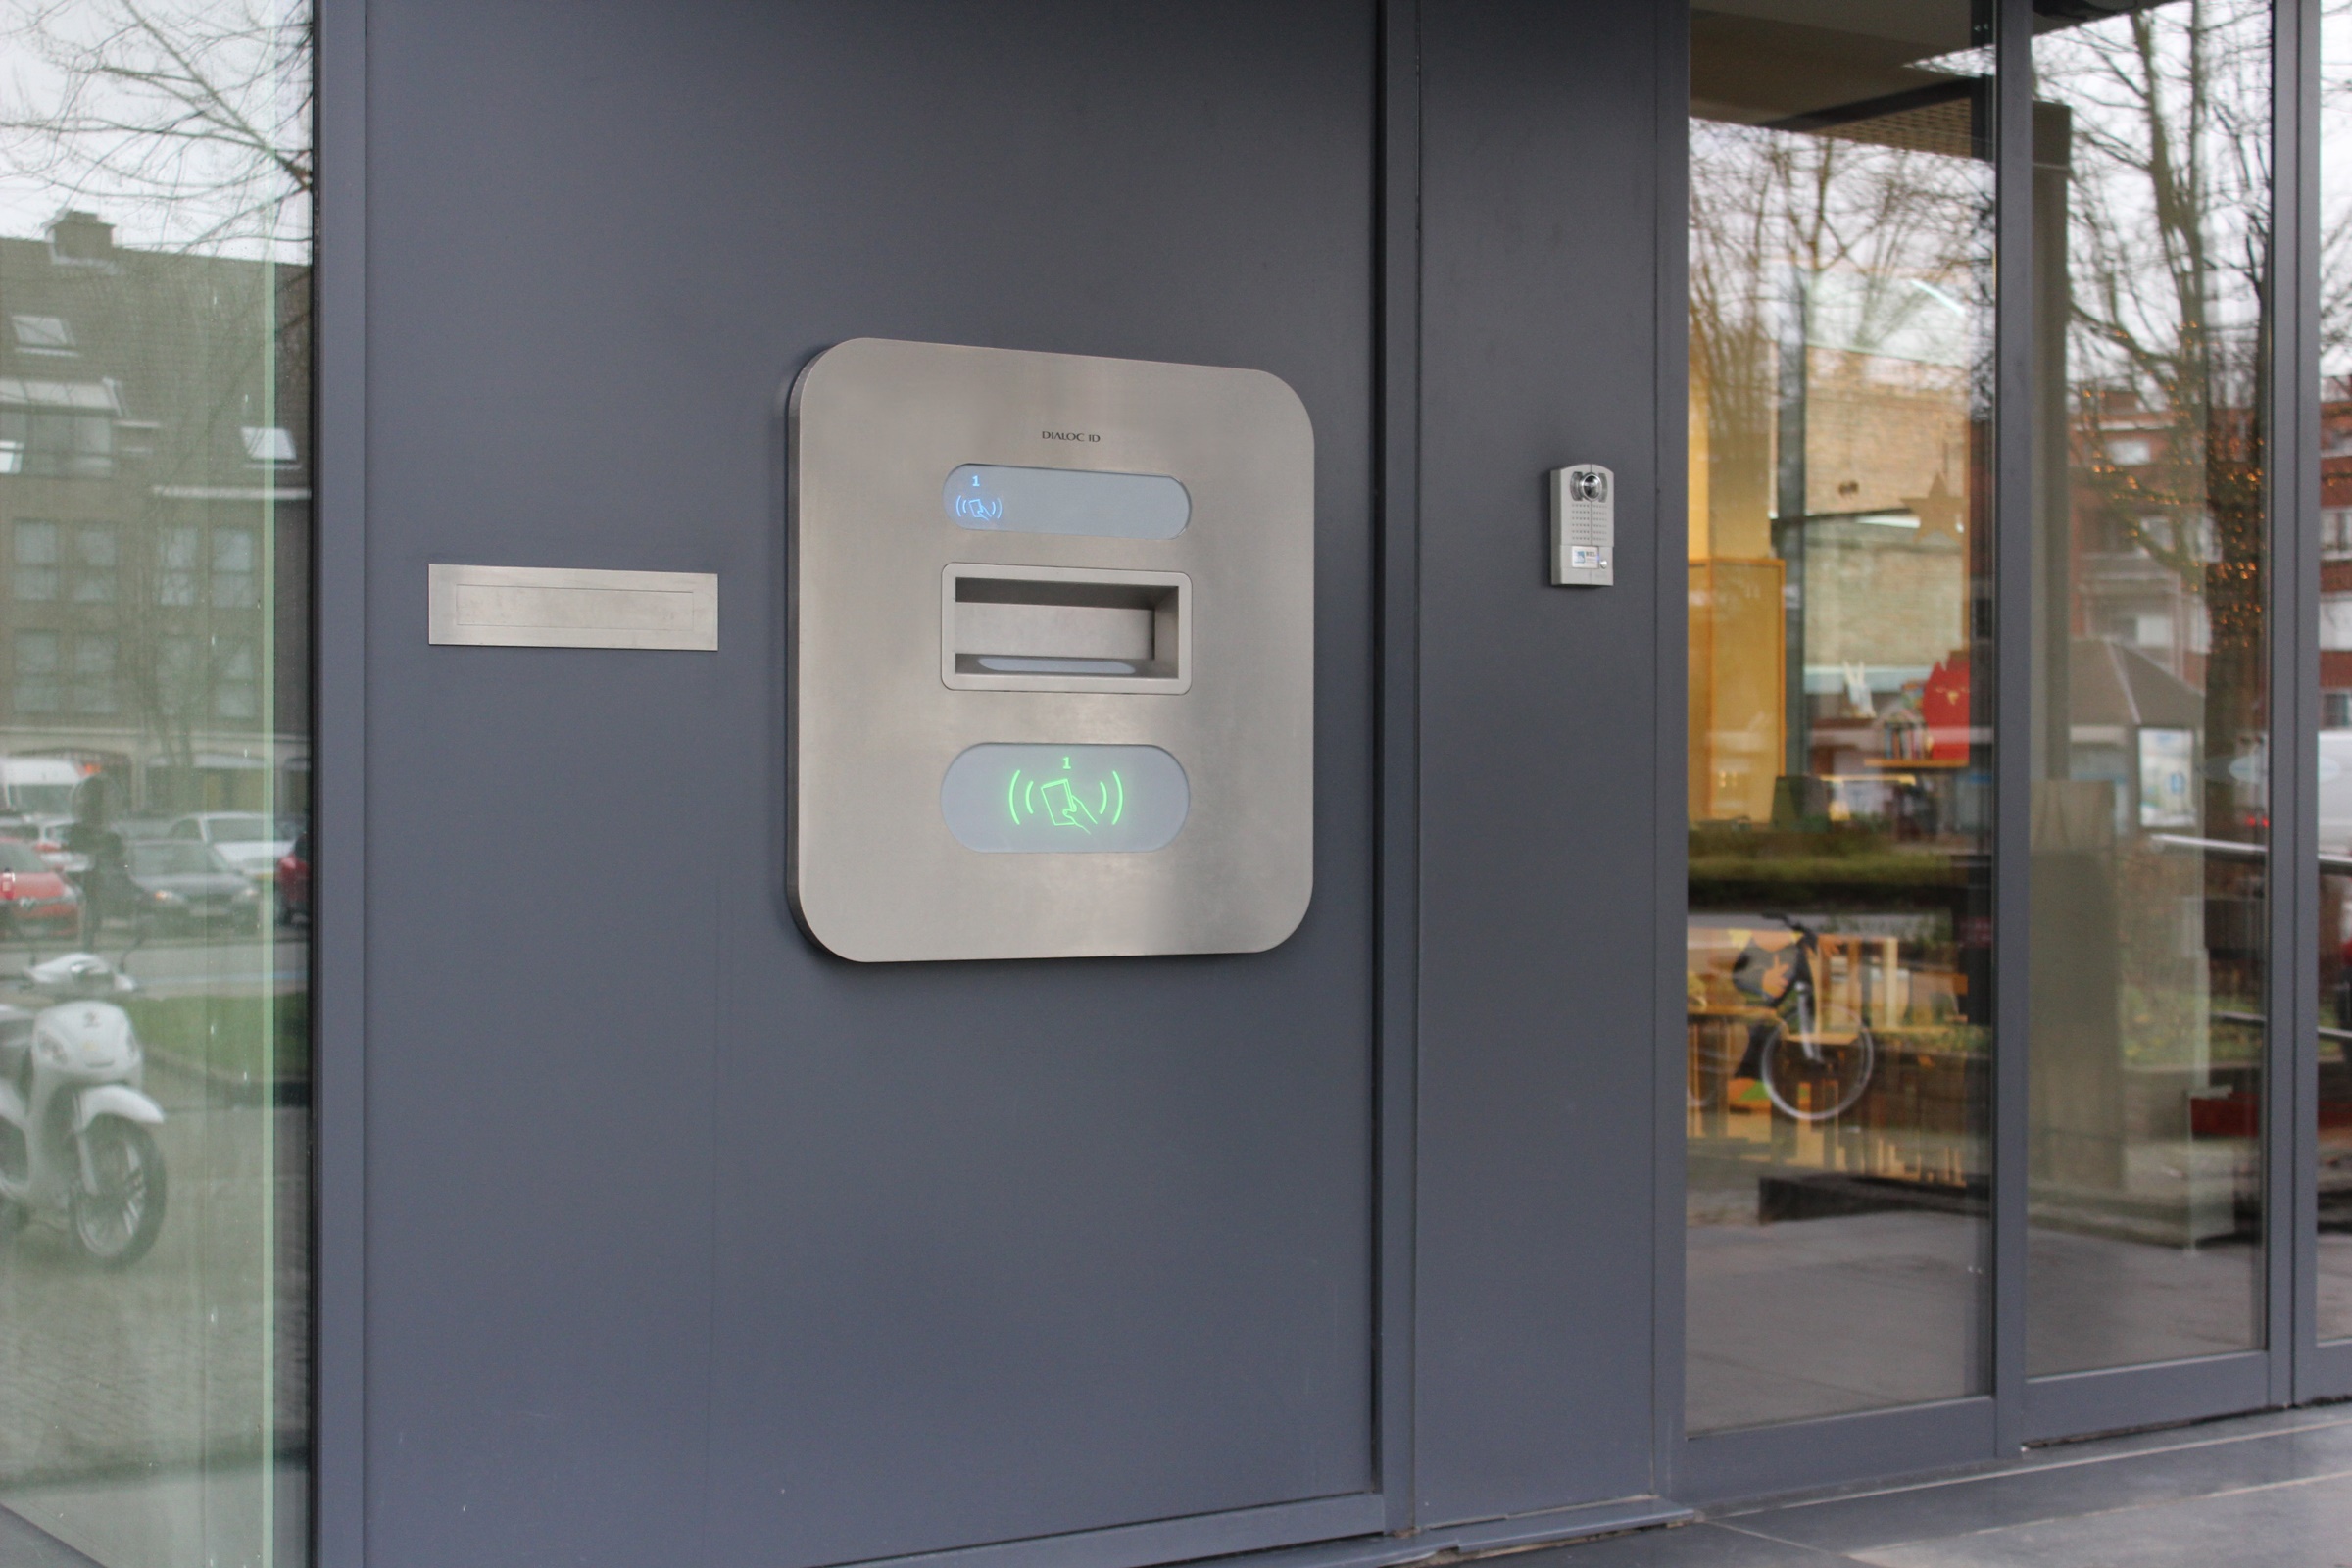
1934	27
1755	62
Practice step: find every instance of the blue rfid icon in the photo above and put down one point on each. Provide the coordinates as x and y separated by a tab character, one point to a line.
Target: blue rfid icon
977	505
1007	498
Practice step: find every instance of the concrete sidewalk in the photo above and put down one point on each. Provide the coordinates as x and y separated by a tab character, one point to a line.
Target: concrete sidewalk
2273	1490
2269	1489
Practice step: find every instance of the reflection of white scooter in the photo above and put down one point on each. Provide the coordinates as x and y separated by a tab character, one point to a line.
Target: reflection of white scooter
76	1148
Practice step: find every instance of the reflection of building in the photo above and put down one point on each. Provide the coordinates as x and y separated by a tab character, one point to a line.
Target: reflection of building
1875	571
154	498
2126	489
2335	555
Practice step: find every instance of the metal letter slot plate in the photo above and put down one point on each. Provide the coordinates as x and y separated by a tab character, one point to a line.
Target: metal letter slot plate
1049	628
568	607
1050	654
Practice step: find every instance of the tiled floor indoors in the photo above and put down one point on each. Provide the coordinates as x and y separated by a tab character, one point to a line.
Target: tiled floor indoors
2273	1490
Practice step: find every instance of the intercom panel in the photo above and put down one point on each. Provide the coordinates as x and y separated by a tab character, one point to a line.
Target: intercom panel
1583	527
1050	654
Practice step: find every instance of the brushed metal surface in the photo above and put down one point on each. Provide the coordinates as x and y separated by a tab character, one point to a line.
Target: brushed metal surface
879	708
568	607
1055	631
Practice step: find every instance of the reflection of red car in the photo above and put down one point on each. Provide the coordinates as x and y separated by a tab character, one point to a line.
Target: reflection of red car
294	881
32	895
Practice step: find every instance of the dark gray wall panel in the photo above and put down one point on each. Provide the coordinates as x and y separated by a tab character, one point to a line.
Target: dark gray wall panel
687	1242
1540	711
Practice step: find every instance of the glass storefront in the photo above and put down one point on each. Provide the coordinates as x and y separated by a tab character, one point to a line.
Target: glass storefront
1841	253
156	177
1838	977
2151	734
155	516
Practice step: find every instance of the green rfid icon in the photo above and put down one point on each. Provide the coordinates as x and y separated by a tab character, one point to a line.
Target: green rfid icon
1062	800
1004	798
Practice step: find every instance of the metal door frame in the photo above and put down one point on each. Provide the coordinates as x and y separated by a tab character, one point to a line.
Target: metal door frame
2036	1409
339	807
2320	1371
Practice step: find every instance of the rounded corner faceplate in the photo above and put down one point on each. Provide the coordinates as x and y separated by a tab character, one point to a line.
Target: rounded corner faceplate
1018	581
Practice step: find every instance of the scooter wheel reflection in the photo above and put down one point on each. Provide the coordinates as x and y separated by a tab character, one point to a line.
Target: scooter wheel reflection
116	1220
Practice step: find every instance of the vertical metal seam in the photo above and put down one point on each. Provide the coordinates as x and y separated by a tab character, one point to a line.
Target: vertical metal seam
1671	859
2013	706
2281	1052
1397	386
339	726
2290	1097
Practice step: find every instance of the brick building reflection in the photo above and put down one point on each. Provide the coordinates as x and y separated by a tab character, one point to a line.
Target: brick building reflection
154	520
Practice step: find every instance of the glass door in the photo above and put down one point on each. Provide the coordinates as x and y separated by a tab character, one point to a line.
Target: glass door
2328	1166
2150	804
1840	754
156	466
1844	1079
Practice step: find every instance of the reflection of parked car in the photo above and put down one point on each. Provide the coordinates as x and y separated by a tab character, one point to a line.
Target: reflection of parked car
47	836
141	828
176	885
33	897
294	881
251	842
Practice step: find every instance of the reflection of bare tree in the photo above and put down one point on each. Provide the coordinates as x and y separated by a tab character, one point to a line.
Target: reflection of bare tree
2168	256
2335	215
194	115
1838	289
1772	211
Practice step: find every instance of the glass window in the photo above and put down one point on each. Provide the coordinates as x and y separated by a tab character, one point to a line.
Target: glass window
93	578
71	439
272	444
35	575
178	674
236	695
2335	1045
93	674
154	245
1841	250
2150	812
38	668
2335	622
175	564
170	857
42	334
237	568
